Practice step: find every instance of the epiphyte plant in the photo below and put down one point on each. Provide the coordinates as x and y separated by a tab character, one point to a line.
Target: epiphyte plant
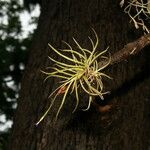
79	71
135	9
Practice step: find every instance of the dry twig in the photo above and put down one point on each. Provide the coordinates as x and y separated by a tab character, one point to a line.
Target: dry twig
130	49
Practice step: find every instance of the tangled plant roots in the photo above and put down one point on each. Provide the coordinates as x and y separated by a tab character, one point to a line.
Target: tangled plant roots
81	72
135	9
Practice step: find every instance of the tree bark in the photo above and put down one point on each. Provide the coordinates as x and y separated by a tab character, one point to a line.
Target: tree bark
125	126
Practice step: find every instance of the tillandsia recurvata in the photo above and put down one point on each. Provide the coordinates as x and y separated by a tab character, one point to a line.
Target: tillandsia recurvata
138	11
80	71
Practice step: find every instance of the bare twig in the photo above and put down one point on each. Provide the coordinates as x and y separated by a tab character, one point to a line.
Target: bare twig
130	49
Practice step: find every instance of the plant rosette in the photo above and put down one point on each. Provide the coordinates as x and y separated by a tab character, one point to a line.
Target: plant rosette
80	71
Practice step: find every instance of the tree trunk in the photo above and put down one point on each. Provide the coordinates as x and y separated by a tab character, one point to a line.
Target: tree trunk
125	126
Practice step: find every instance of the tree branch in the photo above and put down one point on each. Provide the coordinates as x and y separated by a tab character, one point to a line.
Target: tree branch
130	49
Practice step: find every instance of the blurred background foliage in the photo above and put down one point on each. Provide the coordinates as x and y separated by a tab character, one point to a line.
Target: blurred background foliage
14	44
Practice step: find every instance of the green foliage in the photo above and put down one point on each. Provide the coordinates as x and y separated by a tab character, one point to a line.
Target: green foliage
13	56
29	3
80	72
4	140
11	52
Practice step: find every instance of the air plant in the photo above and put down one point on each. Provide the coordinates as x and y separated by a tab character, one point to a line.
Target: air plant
80	71
140	8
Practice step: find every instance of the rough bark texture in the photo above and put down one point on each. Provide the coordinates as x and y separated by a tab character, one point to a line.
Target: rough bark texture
124	127
130	49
